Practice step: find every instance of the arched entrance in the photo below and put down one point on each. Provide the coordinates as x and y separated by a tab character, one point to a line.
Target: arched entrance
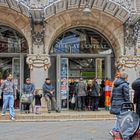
79	52
13	51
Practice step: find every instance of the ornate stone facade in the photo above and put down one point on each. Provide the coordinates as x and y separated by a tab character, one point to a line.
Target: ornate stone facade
42	21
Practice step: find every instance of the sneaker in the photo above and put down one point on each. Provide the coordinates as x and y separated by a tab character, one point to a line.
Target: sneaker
12	118
49	111
2	114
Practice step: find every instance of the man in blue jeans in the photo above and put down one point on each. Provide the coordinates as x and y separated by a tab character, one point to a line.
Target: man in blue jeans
9	94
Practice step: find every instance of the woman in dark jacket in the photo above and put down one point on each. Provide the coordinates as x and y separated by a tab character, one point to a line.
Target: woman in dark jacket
136	88
120	95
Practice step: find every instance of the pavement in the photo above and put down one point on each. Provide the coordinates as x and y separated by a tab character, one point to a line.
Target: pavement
66	130
62	116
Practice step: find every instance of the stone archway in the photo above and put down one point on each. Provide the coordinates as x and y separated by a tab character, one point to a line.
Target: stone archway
16	21
109	26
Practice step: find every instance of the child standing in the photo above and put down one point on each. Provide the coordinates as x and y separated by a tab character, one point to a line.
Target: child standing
38	97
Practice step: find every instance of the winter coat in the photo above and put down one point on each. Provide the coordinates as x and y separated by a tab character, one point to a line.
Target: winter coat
120	95
29	88
95	90
8	87
136	88
81	89
47	88
72	88
38	99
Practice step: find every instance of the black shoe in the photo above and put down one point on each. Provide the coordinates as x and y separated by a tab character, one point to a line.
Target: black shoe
58	111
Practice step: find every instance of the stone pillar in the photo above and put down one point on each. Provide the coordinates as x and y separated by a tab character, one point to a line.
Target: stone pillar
108	66
39	64
58	82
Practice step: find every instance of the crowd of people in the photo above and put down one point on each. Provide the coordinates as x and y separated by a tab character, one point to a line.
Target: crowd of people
82	95
86	95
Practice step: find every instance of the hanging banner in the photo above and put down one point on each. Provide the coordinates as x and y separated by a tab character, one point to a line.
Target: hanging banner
64	79
99	68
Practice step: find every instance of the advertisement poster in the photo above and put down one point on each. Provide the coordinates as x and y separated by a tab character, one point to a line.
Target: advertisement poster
64	82
99	68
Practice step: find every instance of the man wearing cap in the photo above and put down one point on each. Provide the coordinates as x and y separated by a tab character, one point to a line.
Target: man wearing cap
49	94
29	88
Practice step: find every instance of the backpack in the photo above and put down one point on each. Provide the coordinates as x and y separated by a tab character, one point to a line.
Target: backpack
128	122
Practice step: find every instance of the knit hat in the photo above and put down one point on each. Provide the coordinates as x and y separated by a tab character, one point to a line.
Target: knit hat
28	79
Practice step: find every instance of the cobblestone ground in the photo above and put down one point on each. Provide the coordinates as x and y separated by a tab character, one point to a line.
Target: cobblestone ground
70	130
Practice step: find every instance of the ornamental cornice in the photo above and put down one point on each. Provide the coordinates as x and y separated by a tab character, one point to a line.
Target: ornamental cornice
128	61
38	61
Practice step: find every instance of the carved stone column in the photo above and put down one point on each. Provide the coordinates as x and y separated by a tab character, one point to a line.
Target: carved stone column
39	64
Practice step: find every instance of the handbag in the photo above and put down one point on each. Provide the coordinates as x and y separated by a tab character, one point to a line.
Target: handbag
73	99
25	98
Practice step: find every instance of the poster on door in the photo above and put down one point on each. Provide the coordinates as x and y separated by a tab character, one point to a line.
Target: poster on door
99	68
64	82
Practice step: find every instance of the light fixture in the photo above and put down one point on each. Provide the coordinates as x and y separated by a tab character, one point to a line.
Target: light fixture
87	10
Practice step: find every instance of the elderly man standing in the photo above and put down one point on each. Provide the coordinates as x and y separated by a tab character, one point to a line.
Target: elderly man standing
9	94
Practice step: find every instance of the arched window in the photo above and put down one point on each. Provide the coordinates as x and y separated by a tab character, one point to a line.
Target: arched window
12	41
81	40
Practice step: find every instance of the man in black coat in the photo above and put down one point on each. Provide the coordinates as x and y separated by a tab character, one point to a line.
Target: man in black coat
136	88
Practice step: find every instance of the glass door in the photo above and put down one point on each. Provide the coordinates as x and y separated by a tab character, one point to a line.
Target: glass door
64	91
16	71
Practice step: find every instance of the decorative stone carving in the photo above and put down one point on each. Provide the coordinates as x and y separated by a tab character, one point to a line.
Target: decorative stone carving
49	11
37	31
73	4
99	4
131	34
128	62
38	38
125	3
60	6
38	61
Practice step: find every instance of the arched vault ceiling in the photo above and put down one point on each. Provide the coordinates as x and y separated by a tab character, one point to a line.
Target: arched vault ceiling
15	5
108	6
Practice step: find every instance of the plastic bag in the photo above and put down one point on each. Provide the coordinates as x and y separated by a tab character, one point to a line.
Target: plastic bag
73	99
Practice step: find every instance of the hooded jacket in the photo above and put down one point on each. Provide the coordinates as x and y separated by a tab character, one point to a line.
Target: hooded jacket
136	87
120	95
